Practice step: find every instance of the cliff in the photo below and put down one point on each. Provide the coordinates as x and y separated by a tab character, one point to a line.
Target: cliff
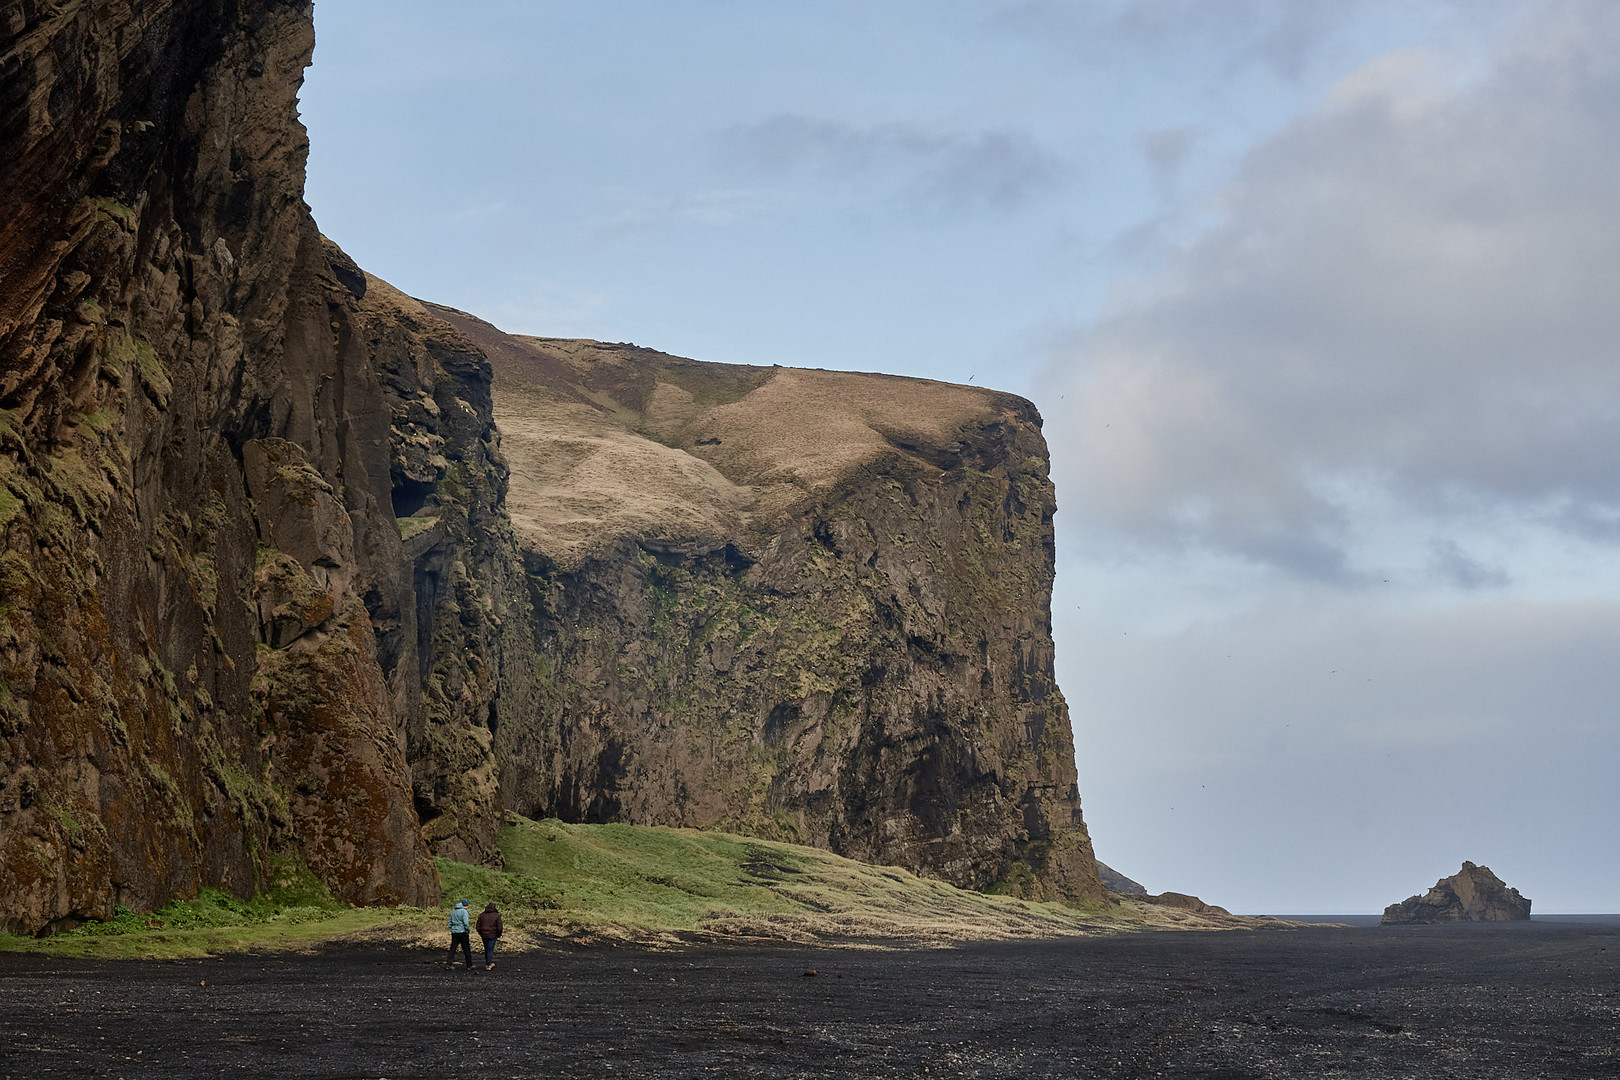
1472	894
211	657
806	605
262	602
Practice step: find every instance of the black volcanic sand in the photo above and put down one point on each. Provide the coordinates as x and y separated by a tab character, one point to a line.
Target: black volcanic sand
1525	1000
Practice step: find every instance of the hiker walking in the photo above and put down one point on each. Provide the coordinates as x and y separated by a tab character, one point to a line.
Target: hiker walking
490	929
460	934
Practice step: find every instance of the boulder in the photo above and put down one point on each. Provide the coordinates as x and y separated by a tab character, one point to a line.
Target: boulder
1473	894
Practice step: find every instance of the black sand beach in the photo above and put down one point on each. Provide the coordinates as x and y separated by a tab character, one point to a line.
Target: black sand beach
1500	1001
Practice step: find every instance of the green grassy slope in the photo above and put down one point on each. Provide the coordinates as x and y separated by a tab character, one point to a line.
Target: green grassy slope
297	912
624	880
603	883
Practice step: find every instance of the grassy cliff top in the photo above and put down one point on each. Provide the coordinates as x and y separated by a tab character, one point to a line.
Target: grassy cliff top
608	441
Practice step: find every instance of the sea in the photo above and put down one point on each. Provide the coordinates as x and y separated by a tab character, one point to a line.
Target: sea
1374	920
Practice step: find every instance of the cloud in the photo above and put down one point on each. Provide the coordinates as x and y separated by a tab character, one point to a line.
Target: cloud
1354	747
1409	302
638	213
988	169
1281	35
1453	564
1375	675
1166	149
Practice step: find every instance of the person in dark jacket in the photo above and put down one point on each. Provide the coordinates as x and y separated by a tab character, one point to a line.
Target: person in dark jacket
490	929
459	920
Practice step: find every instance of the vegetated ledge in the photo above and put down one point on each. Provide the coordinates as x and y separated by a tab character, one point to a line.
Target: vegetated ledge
629	885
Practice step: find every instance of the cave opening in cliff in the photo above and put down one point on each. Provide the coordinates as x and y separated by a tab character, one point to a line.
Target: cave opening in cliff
411	495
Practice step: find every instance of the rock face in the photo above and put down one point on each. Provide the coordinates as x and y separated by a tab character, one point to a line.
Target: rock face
261	598
215	648
1116	882
1184	902
800	604
1473	894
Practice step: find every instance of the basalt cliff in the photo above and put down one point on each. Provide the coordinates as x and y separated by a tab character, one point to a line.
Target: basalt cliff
297	571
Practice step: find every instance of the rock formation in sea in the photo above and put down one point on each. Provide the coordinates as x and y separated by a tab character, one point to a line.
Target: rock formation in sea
264	599
1473	894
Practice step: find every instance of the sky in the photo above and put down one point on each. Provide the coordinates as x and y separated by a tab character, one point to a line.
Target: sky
1317	301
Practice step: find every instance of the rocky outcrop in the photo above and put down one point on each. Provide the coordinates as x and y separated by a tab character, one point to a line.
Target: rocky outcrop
262	598
1117	883
1473	894
457	644
1183	902
805	605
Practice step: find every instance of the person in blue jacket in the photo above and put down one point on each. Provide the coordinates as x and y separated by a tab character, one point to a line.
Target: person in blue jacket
460	934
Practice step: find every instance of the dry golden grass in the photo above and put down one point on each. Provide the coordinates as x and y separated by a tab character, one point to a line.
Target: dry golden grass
608	442
810	429
579	480
382	295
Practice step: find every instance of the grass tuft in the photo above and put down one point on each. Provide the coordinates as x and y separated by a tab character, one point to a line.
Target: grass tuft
415	526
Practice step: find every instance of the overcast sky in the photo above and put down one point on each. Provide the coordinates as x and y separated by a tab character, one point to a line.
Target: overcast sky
1321	303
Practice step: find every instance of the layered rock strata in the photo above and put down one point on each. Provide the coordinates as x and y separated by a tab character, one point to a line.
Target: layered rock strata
1472	894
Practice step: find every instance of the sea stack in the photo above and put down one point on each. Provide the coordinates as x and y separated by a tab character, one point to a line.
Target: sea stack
1473	894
